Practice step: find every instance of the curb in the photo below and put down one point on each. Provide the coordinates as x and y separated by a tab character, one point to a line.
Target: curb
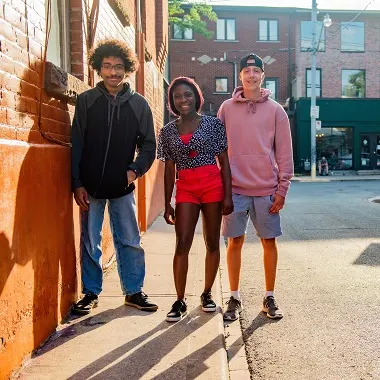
337	178
235	347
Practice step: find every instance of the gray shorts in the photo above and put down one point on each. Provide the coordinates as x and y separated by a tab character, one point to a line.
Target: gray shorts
267	225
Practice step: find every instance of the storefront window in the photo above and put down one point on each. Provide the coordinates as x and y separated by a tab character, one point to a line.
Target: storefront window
335	144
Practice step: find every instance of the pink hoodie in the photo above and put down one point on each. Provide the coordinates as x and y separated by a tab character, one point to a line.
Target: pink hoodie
259	144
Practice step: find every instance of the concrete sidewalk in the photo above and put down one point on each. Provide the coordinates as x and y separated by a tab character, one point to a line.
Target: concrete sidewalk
120	342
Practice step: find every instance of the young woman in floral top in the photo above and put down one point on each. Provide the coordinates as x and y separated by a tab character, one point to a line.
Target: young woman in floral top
189	146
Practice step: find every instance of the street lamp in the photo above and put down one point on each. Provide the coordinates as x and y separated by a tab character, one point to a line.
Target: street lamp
314	110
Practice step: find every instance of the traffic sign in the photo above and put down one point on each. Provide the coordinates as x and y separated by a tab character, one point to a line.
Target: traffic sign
314	111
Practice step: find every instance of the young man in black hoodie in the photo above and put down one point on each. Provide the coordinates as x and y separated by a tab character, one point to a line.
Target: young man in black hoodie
111	122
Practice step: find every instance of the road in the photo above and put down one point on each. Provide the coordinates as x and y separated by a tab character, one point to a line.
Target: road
328	285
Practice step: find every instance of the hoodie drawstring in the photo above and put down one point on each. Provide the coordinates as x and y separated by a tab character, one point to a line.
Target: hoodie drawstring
252	107
109	111
110	119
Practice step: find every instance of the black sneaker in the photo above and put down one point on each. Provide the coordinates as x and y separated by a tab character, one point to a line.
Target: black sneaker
208	305
234	307
86	304
140	301
271	308
177	312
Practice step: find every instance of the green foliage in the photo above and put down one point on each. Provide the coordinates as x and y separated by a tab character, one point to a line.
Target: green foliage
357	83
191	17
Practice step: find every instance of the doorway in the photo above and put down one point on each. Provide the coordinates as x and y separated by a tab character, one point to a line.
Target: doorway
369	151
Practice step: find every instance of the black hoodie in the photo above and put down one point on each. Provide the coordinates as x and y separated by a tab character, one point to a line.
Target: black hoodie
105	135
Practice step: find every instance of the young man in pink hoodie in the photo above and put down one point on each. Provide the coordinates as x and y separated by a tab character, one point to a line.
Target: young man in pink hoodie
261	159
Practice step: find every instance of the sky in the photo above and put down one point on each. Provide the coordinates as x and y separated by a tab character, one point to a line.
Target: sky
322	4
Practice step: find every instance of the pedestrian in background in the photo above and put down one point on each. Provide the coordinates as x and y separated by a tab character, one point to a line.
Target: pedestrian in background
111	121
191	145
260	153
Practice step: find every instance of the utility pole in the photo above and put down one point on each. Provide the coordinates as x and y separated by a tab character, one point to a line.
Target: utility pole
313	109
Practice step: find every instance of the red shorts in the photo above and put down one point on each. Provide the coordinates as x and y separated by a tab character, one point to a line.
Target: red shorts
199	185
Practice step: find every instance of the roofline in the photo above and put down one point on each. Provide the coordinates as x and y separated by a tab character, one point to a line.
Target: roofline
362	12
245	8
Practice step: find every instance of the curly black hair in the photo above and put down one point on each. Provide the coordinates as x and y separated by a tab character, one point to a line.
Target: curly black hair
193	85
113	48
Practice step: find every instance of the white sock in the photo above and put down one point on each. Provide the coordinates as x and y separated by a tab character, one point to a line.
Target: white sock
269	294
236	294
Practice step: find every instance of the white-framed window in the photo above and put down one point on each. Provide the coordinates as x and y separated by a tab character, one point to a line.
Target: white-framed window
226	29
221	84
353	83
268	30
58	50
272	85
318	83
179	34
352	37
306	36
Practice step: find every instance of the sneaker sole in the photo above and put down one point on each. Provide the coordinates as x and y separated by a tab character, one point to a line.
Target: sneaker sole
176	319
209	309
142	308
231	319
83	312
228	319
265	310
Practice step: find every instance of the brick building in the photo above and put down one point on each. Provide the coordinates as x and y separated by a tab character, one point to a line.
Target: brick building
348	90
347	80
214	63
39	234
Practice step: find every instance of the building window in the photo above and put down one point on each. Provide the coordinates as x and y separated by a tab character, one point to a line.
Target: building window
352	36
318	81
225	29
221	85
306	36
335	145
272	85
182	34
353	83
58	50
268	30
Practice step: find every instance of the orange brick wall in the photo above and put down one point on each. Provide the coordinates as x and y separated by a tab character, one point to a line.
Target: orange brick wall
39	228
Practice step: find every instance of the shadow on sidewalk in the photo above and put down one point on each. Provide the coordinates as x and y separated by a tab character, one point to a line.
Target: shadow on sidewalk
370	256
144	358
260	320
79	325
193	364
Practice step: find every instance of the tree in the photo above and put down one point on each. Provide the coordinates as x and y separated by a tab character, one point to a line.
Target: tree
189	17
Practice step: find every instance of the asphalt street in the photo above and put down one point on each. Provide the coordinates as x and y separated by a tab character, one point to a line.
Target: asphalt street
328	285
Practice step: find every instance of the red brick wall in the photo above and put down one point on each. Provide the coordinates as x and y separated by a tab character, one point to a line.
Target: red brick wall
78	44
38	266
149	27
20	75
39	234
182	53
332	61
161	33
154	178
